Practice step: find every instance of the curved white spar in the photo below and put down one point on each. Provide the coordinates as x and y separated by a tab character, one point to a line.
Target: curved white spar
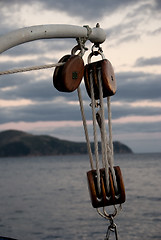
27	34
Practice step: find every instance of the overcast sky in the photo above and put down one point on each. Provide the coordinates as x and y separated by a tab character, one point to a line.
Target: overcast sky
29	102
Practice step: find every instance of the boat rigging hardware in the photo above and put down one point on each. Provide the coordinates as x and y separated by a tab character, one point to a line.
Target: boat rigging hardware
106	198
106	185
82	40
27	34
111	228
106	72
67	78
106	215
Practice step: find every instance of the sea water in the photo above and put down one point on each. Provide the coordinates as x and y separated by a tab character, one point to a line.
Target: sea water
47	198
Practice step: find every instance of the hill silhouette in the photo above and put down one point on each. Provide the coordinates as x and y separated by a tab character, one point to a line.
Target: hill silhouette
18	143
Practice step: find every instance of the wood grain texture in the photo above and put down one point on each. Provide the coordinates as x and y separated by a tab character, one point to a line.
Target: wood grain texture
106	198
107	77
67	78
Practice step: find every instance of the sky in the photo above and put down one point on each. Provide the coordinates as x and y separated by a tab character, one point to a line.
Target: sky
29	102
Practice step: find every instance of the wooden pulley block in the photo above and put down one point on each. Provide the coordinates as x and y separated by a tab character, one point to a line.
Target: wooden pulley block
66	78
105	69
99	200
106	198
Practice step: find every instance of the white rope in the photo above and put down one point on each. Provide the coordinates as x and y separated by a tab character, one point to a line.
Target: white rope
103	132
85	127
107	148
110	125
99	121
95	133
26	69
111	155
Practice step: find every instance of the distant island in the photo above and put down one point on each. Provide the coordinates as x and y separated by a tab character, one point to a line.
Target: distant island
18	143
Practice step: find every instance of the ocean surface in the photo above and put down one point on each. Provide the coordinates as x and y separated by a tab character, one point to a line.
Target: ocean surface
47	198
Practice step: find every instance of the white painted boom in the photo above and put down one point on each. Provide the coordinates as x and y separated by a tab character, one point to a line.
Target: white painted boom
14	38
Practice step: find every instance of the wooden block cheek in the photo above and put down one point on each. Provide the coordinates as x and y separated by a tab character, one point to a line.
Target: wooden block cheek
57	76
120	197
74	65
96	200
108	76
67	78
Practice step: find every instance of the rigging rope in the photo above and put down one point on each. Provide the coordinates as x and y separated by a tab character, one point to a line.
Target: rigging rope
85	127
32	68
110	124
104	183
93	105
111	155
103	131
99	117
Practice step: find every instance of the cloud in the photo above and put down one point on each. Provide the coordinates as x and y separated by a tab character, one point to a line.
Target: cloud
132	87
131	128
27	86
147	9
140	62
88	9
128	38
135	86
156	32
54	111
55	106
8	82
126	110
75	8
138	93
41	48
158	5
127	30
122	29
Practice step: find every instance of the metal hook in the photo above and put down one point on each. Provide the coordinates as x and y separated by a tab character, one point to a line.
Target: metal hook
111	228
100	51
75	49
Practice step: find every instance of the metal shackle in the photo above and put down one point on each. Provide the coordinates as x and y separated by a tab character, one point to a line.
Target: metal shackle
95	53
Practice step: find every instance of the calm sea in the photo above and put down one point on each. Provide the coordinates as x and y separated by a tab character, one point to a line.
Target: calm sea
47	198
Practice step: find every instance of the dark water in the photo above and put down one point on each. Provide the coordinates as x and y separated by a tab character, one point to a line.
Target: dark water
47	198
